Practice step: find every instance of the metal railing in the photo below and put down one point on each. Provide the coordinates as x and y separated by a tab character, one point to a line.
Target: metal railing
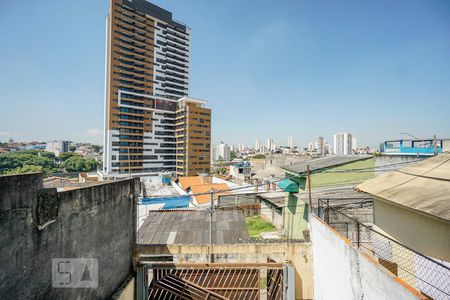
426	275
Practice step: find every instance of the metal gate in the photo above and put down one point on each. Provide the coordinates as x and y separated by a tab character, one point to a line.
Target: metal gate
213	281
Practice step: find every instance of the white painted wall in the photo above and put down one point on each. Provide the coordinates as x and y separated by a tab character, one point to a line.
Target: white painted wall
342	272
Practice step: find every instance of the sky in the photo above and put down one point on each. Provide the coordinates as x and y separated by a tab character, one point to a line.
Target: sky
267	68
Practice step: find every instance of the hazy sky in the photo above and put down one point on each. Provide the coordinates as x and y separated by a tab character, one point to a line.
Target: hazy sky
267	68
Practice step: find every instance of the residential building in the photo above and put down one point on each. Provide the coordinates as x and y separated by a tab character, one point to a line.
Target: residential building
147	75
269	144
343	143
57	147
320	146
241	147
200	186
413	202
291	142
296	174
257	145
310	147
354	144
35	146
221	152
241	171
193	137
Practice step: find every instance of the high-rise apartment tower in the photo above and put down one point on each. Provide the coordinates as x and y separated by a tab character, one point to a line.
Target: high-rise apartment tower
343	143
146	89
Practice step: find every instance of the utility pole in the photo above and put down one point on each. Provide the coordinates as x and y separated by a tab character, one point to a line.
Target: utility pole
210	224
211	215
309	189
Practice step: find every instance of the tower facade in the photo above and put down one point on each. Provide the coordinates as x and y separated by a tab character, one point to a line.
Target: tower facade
146	76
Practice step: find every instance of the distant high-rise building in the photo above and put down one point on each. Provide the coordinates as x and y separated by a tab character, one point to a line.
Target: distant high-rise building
241	147
151	126
269	144
354	144
320	145
57	147
327	148
257	145
343	143
221	152
310	147
291	142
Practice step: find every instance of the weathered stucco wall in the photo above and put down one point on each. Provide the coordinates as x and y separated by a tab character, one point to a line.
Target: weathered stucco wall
342	272
37	225
413	229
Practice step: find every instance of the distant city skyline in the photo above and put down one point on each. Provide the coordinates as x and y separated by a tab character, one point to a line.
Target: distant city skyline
374	69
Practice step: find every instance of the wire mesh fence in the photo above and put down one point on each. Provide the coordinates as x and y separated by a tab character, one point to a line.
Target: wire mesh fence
426	275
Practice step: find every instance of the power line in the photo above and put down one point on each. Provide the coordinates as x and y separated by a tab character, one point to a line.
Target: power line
360	170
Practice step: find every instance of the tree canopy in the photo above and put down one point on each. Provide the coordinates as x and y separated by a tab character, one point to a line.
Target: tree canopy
27	161
78	163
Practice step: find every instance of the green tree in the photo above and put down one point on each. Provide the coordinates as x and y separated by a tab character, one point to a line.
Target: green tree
96	148
18	160
48	154
92	165
66	155
72	148
259	156
9	162
78	163
25	169
233	155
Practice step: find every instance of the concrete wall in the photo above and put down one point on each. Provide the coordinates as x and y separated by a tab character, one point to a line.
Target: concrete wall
271	215
297	253
295	217
342	272
37	225
413	229
396	162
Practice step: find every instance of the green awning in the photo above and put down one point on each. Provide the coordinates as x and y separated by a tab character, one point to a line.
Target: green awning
288	185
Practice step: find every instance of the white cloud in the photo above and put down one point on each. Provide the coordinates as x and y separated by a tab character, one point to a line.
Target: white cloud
95	132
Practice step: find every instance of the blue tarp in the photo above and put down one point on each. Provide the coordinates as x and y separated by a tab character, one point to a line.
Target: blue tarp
169	202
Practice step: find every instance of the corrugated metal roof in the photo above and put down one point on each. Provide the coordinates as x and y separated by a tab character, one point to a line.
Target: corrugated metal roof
345	194
322	163
424	186
192	227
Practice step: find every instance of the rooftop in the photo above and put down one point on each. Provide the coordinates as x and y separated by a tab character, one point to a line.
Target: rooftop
192	227
205	188
424	186
203	184
187	181
276	198
322	163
